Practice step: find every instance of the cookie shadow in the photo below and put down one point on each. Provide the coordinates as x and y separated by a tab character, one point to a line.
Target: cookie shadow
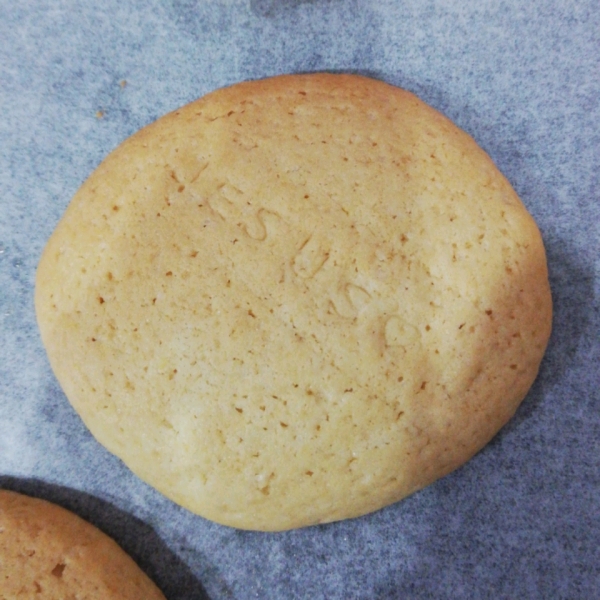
139	540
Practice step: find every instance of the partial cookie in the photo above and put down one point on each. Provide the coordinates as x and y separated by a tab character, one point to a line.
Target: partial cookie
295	300
48	552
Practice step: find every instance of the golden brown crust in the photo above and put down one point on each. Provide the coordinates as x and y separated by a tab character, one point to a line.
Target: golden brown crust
48	552
316	293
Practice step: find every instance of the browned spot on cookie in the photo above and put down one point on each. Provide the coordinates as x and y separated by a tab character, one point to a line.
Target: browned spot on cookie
58	570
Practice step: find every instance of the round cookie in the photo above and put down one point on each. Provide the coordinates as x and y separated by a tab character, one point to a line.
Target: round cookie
48	552
295	300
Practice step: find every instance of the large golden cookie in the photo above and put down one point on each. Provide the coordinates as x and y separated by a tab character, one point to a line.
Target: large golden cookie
295	300
49	553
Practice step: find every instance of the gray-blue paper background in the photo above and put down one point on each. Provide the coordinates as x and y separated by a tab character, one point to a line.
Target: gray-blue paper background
522	519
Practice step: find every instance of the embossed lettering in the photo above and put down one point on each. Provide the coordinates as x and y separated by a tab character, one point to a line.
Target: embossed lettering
255	224
255	227
201	168
272	223
223	207
264	223
398	332
350	300
358	296
310	259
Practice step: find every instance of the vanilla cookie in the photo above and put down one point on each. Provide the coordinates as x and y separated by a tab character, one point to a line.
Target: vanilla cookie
48	552
295	300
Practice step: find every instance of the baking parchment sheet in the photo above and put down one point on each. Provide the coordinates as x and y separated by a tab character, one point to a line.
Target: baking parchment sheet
522	519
